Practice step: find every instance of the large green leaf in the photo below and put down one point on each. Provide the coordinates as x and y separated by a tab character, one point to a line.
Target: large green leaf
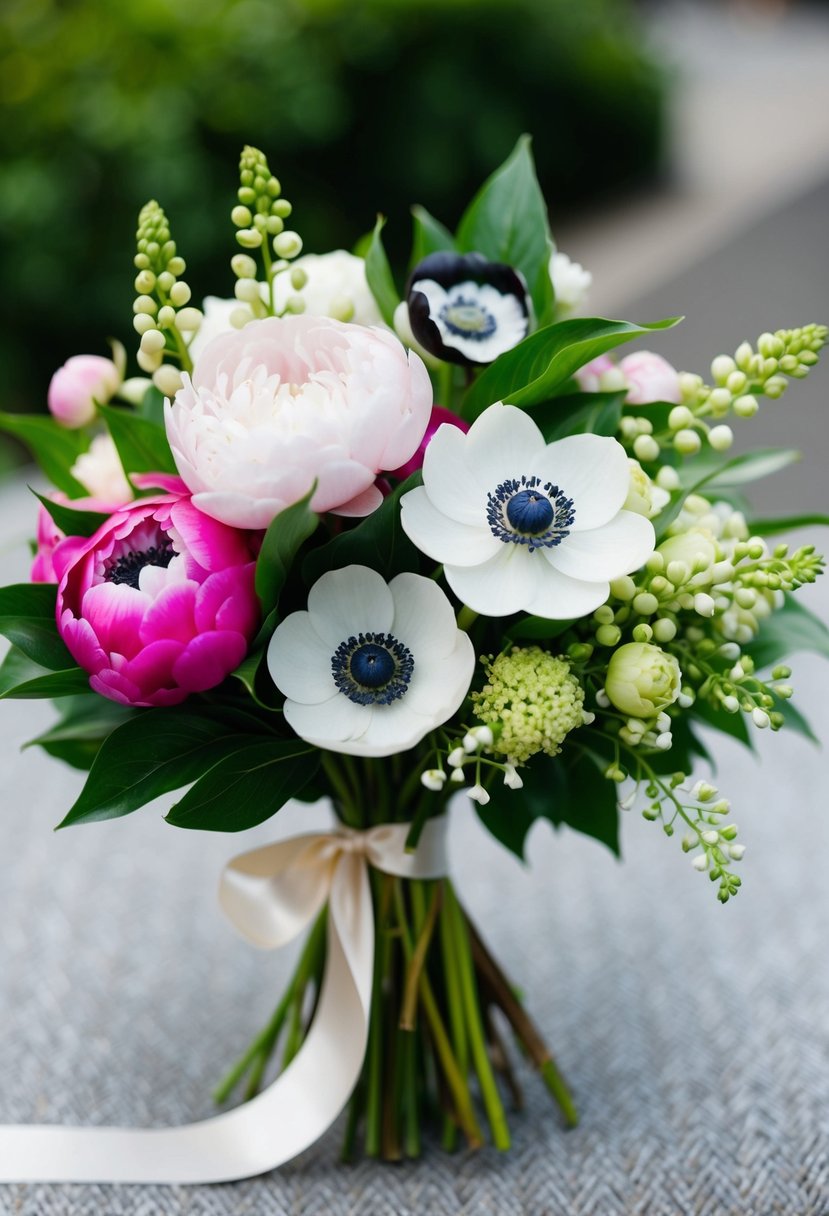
71	521
429	236
507	222
157	751
794	720
579	414
378	542
283	540
54	447
729	724
568	789
717	474
379	276
532	371
84	719
142	445
786	523
246	787
791	629
27	619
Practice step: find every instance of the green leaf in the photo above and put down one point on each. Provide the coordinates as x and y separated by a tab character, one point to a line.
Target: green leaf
507	222
157	751
54	447
246	787
536	628
378	542
532	371
68	683
27	619
567	789
712	471
794	720
379	276
786	523
787	631
152	408
72	522
85	718
579	414
283	540
429	236
729	724
142	445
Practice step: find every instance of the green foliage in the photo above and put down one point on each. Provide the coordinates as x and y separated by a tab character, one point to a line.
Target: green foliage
247	787
283	540
578	414
27	619
379	275
77	736
54	447
567	789
787	523
70	520
791	629
142	444
507	222
428	235
156	751
378	542
532	371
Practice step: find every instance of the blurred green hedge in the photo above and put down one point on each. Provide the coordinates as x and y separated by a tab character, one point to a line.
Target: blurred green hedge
359	106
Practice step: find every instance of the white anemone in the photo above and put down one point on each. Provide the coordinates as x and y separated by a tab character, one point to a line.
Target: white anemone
524	525
475	318
290	401
371	667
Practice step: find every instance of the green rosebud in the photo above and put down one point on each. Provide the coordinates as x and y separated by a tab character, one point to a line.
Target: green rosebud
642	680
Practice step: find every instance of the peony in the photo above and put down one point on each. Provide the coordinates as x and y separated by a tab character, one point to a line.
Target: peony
438	418
215	322
524	525
600	375
371	667
287	402
77	388
159	603
336	286
642	680
99	470
649	378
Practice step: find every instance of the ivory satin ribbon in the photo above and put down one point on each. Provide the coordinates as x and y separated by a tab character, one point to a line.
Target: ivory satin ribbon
270	894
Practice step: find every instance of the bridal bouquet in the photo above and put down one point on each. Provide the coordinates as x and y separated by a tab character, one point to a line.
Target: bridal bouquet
338	541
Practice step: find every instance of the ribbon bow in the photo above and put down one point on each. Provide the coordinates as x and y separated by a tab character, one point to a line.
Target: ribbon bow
270	894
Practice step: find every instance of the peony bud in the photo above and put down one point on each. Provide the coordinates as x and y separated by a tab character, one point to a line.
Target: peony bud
642	680
649	378
83	382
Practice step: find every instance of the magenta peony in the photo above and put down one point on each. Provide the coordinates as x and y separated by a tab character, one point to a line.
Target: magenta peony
159	603
438	417
289	401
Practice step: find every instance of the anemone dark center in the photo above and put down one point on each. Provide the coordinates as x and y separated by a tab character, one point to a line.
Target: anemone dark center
127	568
530	512
372	668
468	319
527	511
372	665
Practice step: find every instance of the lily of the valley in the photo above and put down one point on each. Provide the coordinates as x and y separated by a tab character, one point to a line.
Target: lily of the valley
524	525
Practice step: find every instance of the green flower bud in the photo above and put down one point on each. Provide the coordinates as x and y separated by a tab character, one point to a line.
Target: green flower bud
642	680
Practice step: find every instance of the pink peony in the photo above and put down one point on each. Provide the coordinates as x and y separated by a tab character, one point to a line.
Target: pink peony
650	378
159	603
76	388
589	377
288	401
439	416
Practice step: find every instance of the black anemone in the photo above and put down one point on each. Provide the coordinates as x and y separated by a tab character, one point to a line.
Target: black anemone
464	309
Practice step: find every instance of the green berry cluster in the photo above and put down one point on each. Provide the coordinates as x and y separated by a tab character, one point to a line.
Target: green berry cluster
259	217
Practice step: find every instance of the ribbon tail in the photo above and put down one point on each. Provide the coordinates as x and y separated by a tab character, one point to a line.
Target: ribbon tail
282	1121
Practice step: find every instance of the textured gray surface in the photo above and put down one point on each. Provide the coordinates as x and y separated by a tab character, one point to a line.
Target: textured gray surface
695	1037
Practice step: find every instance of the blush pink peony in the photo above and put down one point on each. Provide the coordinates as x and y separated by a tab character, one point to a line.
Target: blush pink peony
83	382
649	378
290	401
159	603
438	417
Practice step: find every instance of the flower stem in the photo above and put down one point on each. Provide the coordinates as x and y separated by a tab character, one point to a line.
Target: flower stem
466	618
425	928
454	1078
472	1010
456	1020
374	1055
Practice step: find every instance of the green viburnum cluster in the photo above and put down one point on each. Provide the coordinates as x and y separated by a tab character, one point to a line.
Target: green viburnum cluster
162	312
738	384
531	700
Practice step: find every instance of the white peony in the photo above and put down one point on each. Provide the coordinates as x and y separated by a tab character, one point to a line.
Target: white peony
571	282
336	287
